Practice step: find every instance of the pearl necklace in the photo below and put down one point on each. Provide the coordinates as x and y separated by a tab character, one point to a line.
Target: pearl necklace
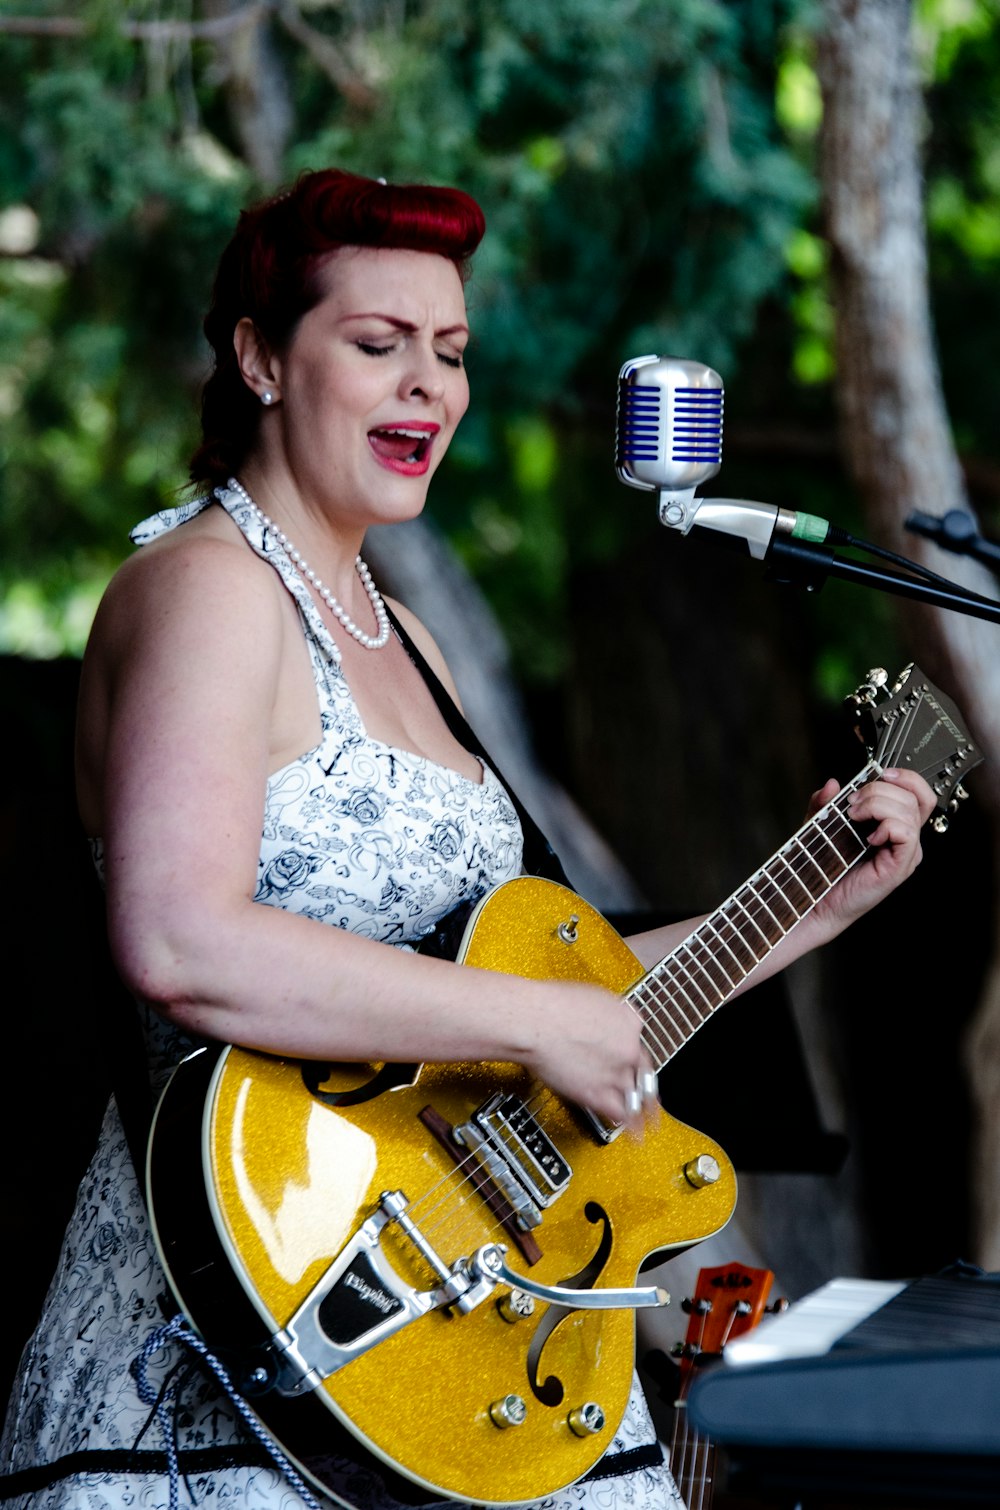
369	641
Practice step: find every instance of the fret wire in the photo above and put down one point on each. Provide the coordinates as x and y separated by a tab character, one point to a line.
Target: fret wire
799	911
676	1001
709	924
662	1020
742	950
816	866
661	995
674	963
658	1051
822	842
713	971
770	881
846	830
653	1036
821	833
657	1030
753	920
672	1028
677	1032
684	946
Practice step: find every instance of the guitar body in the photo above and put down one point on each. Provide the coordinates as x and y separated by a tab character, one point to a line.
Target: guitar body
295	1158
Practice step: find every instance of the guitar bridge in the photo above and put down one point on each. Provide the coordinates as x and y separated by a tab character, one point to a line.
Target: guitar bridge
519	1155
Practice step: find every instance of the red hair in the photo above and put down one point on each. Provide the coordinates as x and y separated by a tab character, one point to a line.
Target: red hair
269	273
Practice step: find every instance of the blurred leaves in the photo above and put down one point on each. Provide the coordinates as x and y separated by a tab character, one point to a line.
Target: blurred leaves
646	168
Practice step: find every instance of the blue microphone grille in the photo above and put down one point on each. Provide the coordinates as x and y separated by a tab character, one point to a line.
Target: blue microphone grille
669	434
638	424
697	429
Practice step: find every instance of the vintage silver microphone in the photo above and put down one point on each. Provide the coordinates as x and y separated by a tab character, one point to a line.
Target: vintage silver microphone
669	441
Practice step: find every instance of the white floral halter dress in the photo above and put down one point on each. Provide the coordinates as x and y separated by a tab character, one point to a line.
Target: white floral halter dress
358	835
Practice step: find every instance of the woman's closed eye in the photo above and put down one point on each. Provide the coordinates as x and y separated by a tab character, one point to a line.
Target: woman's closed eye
450	358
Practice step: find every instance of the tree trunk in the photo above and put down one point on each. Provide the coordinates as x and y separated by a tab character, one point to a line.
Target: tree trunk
896	434
256	91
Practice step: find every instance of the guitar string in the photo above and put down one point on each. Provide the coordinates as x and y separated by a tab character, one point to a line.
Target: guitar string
685	1472
674	1020
661	1022
650	1022
462	1178
746	929
538	1100
895	740
459	1185
673	965
693	1467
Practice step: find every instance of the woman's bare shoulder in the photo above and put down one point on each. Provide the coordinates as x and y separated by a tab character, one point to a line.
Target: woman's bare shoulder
199	575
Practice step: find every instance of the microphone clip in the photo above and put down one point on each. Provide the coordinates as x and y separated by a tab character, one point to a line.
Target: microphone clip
754	525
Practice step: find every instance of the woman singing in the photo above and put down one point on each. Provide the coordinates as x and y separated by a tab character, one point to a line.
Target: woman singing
280	812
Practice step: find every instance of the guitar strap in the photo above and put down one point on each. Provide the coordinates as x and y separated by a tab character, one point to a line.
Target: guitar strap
540	859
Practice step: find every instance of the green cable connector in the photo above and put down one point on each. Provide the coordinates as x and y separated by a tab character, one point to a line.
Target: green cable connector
810	527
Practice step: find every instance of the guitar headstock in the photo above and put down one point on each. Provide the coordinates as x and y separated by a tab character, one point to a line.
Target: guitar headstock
916	727
727	1301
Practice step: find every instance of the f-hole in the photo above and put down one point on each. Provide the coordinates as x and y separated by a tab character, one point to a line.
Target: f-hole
365	1081
550	1391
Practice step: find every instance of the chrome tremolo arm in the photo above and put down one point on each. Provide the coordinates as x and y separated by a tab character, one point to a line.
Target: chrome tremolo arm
489	1262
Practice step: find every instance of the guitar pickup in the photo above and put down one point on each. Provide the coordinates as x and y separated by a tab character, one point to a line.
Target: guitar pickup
519	1155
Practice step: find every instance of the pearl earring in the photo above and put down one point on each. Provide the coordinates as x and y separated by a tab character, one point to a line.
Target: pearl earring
267	397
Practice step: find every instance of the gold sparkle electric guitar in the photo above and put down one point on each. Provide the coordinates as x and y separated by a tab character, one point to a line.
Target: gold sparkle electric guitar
433	1270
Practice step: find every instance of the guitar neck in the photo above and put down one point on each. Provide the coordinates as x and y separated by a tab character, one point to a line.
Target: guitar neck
700	975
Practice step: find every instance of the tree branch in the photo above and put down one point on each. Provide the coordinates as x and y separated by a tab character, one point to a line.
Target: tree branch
327	56
139	31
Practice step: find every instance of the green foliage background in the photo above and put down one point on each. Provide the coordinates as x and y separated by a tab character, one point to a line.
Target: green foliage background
647	169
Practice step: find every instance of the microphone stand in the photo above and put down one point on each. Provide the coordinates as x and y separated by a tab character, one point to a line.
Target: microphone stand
804	564
956	531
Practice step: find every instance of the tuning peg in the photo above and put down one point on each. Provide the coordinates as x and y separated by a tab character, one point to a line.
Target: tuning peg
867	693
902	678
940	824
777	1307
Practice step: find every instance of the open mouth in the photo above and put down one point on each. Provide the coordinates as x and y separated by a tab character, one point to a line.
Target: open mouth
398	444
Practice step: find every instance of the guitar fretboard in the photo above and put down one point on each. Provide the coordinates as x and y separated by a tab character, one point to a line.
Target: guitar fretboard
680	993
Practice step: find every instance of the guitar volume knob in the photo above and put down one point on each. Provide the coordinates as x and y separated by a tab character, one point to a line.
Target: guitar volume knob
587	1419
510	1411
702	1171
